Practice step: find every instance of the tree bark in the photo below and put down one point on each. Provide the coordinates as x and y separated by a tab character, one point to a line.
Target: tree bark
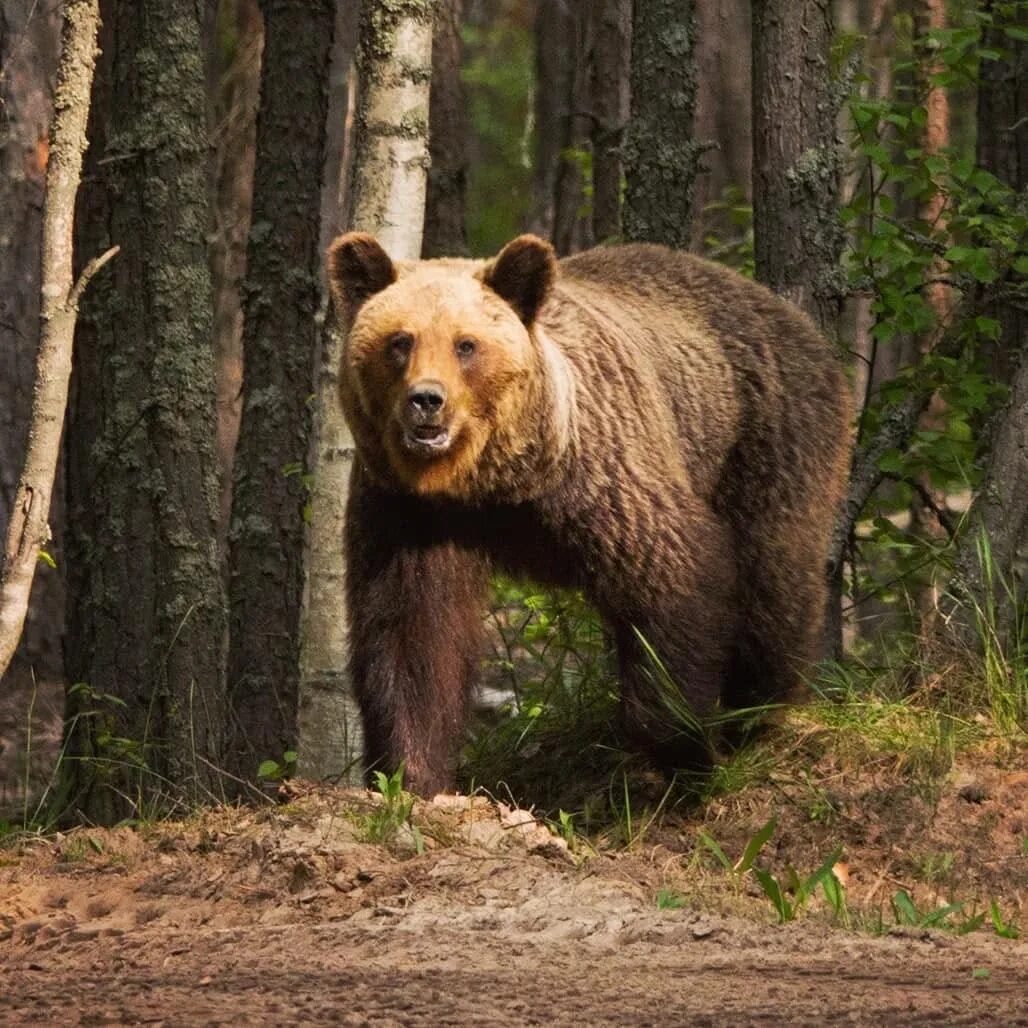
611	58
661	154
389	184
233	91
28	529
266	537
147	630
723	115
554	84
797	161
29	50
445	230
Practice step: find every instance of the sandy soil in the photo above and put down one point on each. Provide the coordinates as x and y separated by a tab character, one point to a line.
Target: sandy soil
284	916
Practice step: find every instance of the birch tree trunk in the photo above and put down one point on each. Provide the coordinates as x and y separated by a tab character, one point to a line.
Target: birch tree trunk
389	184
28	527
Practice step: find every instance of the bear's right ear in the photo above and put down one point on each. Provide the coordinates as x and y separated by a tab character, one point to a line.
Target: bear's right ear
523	275
357	268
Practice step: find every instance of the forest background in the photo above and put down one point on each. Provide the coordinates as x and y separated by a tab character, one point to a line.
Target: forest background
867	159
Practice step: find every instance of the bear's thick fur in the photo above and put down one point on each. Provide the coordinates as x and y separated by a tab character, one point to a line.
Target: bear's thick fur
647	426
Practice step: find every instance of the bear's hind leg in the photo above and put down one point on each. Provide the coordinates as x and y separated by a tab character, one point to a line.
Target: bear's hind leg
783	597
684	601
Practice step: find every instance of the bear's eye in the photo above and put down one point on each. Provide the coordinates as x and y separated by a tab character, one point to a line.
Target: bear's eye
400	345
465	348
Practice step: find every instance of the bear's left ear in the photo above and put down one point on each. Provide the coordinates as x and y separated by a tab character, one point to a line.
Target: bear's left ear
357	268
523	275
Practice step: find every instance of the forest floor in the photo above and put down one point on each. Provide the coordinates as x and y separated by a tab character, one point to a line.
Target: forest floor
286	914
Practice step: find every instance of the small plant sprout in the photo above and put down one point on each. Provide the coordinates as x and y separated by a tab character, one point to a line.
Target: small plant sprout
277	771
669	899
393	815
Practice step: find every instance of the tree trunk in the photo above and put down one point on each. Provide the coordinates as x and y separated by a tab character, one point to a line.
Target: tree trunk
29	530
991	579
279	344
29	46
797	169
611	58
445	230
797	161
342	113
661	154
233	90
554	84
723	116
391	156
147	630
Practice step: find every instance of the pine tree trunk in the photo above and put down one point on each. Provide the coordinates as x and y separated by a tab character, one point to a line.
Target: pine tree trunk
147	629
797	161
611	58
723	116
445	230
391	155
661	154
279	345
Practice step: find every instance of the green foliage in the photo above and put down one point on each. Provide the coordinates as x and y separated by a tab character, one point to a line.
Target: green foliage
907	913
975	246
791	892
392	816
498	78
736	249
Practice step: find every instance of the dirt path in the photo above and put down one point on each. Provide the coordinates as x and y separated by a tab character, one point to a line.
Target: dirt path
285	917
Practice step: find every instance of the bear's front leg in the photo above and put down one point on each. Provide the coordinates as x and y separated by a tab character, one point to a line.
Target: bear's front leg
415	600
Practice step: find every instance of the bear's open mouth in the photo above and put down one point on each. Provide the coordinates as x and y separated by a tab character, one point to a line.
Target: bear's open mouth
426	439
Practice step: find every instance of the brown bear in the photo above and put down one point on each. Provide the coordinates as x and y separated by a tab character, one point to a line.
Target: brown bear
641	424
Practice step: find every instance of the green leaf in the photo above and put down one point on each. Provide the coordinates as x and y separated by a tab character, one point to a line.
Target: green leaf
754	846
903	906
715	849
774	893
269	769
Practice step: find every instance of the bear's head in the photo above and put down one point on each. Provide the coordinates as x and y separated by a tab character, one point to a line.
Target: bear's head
445	381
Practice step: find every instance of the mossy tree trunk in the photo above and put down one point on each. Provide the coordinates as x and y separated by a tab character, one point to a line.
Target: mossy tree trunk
797	159
147	628
266	535
797	171
661	154
394	67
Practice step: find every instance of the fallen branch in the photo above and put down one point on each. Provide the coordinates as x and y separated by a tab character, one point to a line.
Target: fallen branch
28	529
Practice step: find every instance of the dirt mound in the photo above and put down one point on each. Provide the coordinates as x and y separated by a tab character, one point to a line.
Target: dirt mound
285	915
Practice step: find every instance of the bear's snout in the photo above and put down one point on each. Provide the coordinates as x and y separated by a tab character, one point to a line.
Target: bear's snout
425	402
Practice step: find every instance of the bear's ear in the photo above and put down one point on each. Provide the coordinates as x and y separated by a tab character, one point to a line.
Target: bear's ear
523	275
357	268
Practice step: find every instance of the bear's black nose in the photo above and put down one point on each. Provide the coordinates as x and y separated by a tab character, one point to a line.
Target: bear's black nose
426	398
